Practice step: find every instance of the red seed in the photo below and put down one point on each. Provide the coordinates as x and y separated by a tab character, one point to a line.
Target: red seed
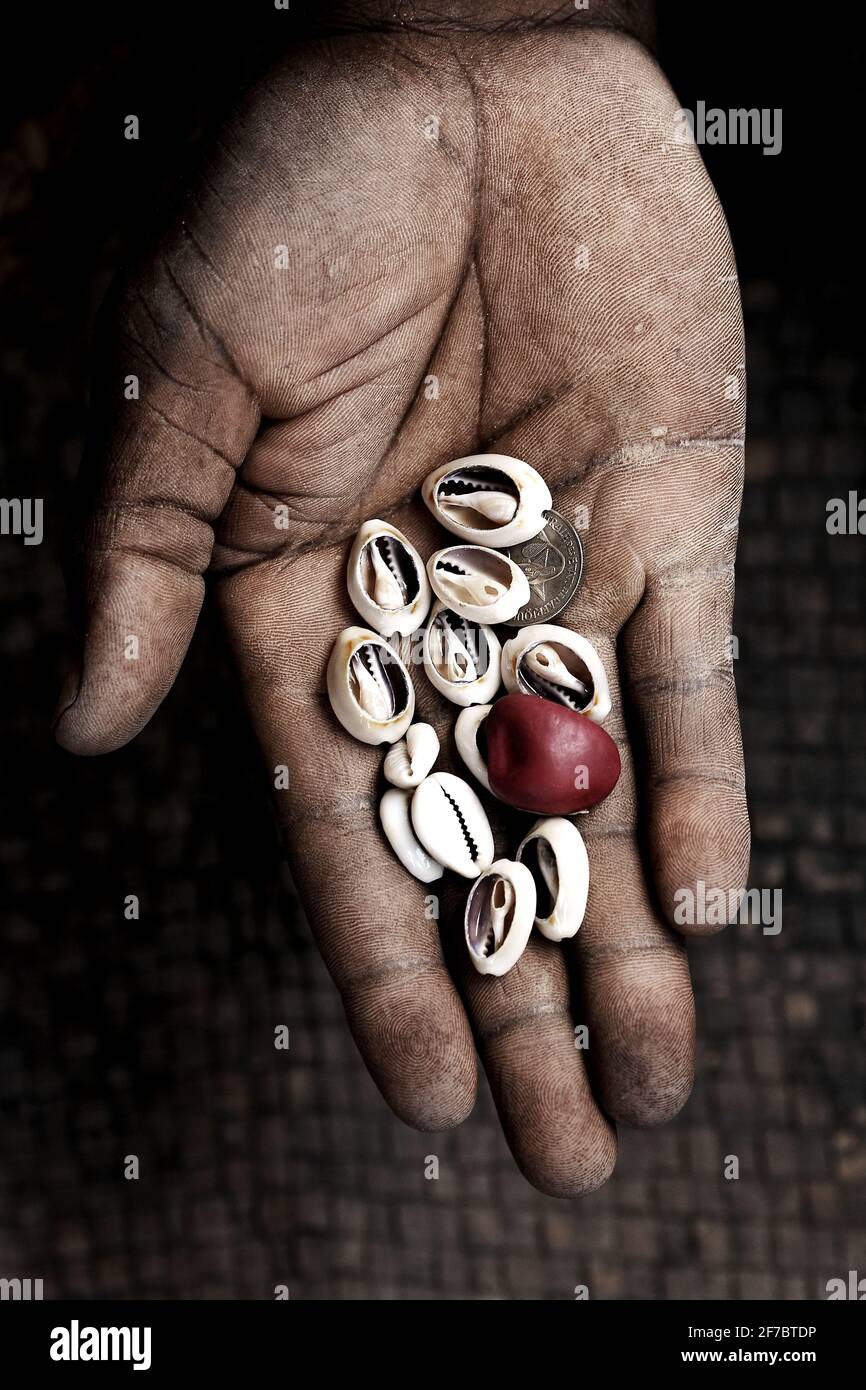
546	758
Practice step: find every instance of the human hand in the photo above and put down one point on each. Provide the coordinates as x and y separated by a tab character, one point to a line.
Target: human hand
352	296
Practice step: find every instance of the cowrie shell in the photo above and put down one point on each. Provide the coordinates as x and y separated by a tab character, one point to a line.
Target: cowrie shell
499	914
555	854
386	579
408	762
559	665
452	825
477	583
394	813
461	658
369	687
488	499
466	729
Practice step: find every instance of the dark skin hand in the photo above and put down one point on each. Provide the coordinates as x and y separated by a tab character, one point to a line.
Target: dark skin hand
297	395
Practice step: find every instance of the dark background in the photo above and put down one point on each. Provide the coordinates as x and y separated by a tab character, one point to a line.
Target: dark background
155	1037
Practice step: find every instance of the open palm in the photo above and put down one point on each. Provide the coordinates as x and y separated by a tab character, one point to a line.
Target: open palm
398	253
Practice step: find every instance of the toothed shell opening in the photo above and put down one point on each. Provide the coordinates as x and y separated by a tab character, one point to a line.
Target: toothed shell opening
452	825
499	915
377	682
555	672
469	574
540	860
560	665
489	499
388	573
554	855
459	649
481	498
490	570
489	914
465	829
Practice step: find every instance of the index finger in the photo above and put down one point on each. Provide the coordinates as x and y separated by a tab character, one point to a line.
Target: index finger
375	925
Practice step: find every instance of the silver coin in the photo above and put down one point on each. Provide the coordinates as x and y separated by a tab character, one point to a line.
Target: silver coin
553	563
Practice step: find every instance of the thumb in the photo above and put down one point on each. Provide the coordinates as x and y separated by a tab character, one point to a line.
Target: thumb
171	423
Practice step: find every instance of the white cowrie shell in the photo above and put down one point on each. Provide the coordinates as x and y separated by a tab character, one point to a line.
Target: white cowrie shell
394	813
560	665
480	584
452	825
386	579
408	762
461	658
555	855
369	687
545	664
469	721
488	499
499	915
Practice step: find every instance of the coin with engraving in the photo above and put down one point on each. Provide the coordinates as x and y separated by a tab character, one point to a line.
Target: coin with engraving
553	563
